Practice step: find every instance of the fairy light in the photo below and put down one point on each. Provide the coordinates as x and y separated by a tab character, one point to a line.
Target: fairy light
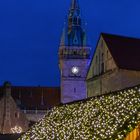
110	116
16	129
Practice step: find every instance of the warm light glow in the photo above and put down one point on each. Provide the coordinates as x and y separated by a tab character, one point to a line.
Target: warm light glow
111	116
75	70
16	129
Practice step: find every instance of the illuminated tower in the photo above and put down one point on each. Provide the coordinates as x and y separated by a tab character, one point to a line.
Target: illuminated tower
74	57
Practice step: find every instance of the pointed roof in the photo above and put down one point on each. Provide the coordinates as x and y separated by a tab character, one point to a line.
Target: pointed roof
63	40
124	50
11	116
75	4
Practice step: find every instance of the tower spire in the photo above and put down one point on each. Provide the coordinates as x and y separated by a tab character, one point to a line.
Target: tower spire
75	4
74	34
74	56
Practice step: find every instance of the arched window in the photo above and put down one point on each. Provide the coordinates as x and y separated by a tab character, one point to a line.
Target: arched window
74	90
16	114
96	65
102	63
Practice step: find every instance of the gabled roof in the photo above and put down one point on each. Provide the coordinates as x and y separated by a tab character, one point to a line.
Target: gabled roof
124	50
110	116
9	111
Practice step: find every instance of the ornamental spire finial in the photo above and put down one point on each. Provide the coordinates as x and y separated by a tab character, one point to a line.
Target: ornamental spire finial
75	4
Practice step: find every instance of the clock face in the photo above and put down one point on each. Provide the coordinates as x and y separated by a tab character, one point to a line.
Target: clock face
75	70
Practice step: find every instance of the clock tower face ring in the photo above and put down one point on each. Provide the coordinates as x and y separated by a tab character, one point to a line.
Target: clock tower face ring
75	70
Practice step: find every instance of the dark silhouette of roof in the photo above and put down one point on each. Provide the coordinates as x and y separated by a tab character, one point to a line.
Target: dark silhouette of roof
32	98
124	50
9	136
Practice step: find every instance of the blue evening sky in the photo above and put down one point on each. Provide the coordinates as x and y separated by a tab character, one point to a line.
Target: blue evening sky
30	33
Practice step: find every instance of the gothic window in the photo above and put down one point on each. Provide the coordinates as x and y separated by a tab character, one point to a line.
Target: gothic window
75	20
102	63
102	57
74	90
107	54
93	71
70	20
96	59
107	57
102	67
99	64
74	52
96	65
102	43
16	114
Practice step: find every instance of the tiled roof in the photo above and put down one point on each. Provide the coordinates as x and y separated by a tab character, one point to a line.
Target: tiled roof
124	50
110	116
31	98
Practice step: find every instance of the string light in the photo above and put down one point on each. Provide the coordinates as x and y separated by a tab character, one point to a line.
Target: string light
110	116
16	129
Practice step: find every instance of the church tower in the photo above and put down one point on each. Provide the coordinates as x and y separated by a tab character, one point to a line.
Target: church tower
74	57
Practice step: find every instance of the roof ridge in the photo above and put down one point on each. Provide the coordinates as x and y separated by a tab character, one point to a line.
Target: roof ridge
119	35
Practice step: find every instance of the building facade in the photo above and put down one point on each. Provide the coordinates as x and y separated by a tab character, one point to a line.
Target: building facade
74	57
114	66
23	106
12	119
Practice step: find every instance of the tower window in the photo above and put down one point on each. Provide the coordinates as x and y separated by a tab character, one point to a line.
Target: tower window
70	20
102	67
96	65
102	63
74	52
107	54
96	59
16	114
102	57
102	43
74	90
75	20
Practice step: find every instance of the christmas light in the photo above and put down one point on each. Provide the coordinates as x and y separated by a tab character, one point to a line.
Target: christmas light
16	129
110	116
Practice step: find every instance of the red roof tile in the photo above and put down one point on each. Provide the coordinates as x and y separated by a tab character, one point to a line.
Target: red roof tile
32	98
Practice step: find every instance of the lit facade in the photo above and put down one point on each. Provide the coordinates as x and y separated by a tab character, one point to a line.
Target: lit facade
114	65
12	119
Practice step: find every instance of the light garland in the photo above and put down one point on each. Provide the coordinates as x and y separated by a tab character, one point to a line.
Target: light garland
16	129
109	117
